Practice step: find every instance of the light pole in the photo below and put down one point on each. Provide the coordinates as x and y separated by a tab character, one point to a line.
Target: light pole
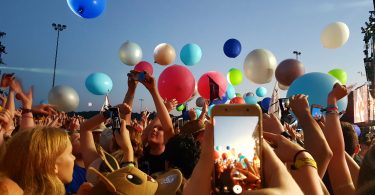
58	28
298	53
141	101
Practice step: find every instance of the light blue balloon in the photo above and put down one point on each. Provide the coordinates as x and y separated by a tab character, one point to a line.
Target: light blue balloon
99	83
261	91
250	99
231	92
317	86
209	109
191	54
198	111
87	8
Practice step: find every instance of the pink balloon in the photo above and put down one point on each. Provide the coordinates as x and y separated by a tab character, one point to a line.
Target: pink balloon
144	66
237	100
176	82
204	84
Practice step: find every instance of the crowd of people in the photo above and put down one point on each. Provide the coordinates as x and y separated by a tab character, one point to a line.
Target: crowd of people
45	151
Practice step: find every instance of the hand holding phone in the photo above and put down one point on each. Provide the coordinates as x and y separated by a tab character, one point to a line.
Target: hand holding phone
316	111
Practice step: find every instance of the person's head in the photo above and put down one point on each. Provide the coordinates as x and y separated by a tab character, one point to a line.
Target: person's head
156	135
350	138
39	160
365	140
76	144
367	170
182	152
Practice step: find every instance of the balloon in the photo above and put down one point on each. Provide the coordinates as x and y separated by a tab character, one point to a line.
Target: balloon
191	54
204	84
64	98
144	66
198	111
231	92
238	95
237	100
130	53
261	91
222	100
216	155
339	74
228	147
164	54
87	8
265	103
209	109
99	83
200	102
234	76
282	87
335	35
232	48
288	70
317	86
251	99
180	107
89	104
259	66
224	156
176	82
43	102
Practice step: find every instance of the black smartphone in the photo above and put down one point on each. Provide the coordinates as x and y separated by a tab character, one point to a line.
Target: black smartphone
139	76
115	116
316	111
237	148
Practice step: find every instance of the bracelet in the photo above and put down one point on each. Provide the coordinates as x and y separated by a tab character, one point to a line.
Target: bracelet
286	134
25	110
332	112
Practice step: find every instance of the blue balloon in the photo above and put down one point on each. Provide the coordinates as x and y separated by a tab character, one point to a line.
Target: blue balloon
191	54
87	8
232	48
209	109
221	101
250	99
99	83
265	103
43	102
317	86
198	112
231	92
261	91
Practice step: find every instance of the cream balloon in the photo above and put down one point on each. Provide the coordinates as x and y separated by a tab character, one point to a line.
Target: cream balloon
130	53
164	54
282	87
64	97
335	35
259	66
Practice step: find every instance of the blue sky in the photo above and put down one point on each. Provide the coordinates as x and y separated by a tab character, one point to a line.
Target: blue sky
88	46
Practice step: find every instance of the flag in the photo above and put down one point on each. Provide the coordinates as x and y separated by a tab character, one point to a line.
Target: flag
106	104
214	89
274	104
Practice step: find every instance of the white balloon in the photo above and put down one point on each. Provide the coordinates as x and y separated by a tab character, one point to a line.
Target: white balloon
259	66
130	53
64	97
89	104
335	35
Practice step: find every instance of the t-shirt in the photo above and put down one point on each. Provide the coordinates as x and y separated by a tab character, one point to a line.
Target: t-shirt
79	177
151	163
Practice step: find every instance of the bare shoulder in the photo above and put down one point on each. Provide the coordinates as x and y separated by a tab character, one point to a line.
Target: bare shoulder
8	186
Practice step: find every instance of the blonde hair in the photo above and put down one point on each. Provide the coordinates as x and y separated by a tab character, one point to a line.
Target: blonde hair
30	159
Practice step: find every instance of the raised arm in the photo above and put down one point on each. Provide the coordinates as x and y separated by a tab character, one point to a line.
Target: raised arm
338	170
315	141
162	112
129	96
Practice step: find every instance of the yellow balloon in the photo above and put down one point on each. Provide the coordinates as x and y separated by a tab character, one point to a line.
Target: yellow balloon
335	35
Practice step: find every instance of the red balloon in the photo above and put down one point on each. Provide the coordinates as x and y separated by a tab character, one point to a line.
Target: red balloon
216	155
176	82
224	156
204	84
288	70
144	66
237	100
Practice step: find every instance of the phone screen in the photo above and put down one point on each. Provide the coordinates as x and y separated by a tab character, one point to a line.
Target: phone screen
316	112
237	154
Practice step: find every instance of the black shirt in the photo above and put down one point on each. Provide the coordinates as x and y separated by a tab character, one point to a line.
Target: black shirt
151	163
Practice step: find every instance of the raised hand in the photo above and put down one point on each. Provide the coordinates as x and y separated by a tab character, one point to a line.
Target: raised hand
6	79
149	82
170	104
272	124
132	84
124	109
338	92
46	109
300	105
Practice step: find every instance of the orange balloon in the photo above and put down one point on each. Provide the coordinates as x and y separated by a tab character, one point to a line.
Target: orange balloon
164	54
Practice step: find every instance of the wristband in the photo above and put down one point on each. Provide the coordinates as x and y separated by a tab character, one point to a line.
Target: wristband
298	163
286	134
25	110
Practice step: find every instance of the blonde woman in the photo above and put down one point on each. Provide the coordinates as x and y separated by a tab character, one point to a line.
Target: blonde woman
39	160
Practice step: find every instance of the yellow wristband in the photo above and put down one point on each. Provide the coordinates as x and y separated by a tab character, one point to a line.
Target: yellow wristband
304	162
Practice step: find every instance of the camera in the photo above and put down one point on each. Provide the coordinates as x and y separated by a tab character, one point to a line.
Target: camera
138	76
115	116
316	111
